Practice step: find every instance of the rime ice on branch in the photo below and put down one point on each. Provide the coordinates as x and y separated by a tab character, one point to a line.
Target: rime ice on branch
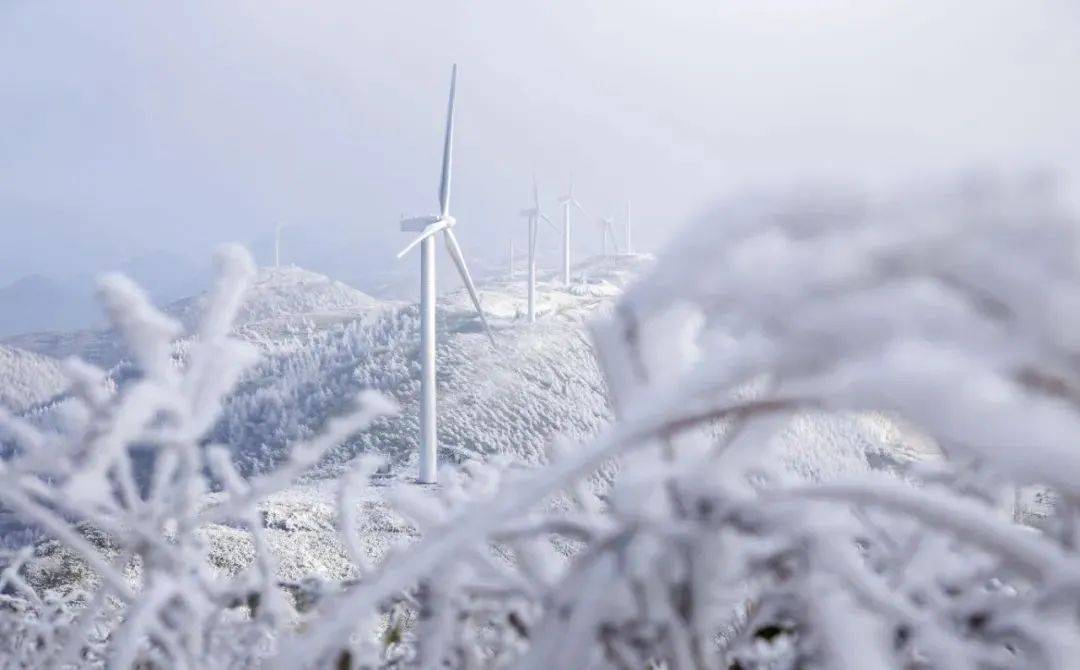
953	312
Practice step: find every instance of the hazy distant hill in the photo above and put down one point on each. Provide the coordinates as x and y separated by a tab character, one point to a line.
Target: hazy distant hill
36	303
278	298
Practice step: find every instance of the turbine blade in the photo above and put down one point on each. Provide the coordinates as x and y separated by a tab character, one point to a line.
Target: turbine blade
610	229
579	207
428	231
448	148
536	194
549	221
463	270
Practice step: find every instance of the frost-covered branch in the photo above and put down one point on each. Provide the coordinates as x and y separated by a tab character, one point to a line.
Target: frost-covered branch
125	489
829	415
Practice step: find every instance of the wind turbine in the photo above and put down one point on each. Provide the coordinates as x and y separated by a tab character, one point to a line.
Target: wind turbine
534	215
607	232
568	202
511	259
429	227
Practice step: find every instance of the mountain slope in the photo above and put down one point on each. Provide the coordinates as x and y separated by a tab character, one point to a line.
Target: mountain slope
540	381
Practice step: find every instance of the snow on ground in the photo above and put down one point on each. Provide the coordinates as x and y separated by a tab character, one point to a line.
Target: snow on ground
28	379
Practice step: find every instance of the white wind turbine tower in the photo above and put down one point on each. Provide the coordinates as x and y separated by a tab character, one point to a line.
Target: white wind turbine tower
429	227
568	202
534	215
277	245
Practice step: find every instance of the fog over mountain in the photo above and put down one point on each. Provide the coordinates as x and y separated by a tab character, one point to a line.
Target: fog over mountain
135	129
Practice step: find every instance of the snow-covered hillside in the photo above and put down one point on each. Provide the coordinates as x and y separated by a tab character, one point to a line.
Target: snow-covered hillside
540	381
28	379
282	294
323	341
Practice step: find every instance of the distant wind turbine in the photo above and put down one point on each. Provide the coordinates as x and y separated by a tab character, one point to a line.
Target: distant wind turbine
428	227
534	215
277	245
568	202
607	233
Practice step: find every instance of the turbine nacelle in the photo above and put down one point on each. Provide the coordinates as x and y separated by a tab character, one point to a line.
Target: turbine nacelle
535	213
539	216
571	201
426	226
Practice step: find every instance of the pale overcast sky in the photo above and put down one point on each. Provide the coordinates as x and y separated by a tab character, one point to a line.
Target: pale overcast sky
131	127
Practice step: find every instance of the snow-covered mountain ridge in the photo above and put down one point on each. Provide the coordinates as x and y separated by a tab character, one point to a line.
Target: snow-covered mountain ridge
321	341
540	381
279	300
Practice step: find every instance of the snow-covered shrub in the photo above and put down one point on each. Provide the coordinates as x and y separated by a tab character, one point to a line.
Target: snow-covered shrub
956	313
124	491
953	314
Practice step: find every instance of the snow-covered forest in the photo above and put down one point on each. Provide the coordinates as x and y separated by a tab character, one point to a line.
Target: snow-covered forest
821	431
